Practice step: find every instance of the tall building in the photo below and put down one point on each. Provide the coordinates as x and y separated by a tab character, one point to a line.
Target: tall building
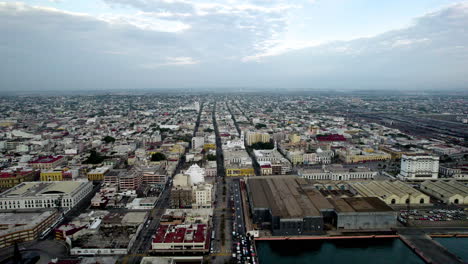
419	167
254	137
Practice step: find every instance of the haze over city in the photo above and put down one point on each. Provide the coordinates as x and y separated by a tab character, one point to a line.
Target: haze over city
306	44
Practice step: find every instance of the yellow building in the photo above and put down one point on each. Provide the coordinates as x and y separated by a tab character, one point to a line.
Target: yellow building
395	153
97	174
364	155
240	171
52	175
294	138
177	149
209	146
11	179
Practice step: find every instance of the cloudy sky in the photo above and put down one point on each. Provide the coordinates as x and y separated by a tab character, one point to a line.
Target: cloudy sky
227	44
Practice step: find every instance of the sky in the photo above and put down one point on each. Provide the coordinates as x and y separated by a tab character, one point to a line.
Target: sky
231	44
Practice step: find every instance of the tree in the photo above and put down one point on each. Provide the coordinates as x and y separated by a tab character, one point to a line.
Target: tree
211	157
94	158
263	145
108	139
158	156
259	125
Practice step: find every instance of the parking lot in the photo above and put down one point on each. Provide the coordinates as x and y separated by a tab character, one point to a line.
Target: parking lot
435	217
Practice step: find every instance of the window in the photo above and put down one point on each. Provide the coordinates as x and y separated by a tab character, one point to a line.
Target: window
393	201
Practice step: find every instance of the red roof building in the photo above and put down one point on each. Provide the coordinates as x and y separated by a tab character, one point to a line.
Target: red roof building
331	138
181	238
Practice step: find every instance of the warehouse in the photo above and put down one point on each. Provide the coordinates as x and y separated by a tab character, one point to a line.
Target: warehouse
29	195
295	206
363	213
391	192
451	192
287	206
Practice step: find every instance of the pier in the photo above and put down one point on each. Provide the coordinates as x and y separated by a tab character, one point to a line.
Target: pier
429	250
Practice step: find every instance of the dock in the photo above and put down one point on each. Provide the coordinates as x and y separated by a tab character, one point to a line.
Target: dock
428	249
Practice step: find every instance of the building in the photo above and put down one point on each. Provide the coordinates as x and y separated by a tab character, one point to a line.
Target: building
337	173
279	164
363	213
104	233
456	172
254	137
357	155
196	174
98	173
47	162
181	238
287	206
202	195
183	231
198	142
22	226
239	171
450	192
9	179
57	174
211	169
419	167
155	175
391	192
29	195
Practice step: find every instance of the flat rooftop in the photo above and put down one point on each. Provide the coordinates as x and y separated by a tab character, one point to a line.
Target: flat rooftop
287	197
197	233
29	189
359	204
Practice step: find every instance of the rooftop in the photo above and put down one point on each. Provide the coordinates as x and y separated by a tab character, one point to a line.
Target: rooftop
287	197
359	204
28	189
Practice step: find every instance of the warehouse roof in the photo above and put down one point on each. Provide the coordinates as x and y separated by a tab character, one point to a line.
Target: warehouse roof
448	189
385	189
287	197
359	204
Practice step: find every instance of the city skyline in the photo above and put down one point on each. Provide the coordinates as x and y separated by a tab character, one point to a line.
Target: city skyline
101	45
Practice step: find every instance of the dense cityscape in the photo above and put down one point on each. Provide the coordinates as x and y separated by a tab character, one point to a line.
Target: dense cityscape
211	178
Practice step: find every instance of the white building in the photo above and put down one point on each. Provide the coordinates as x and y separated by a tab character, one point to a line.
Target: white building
337	173
198	142
196	174
202	196
29	195
420	167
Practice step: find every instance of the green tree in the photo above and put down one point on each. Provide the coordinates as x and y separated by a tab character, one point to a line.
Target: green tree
94	158
211	157
158	156
259	125
108	139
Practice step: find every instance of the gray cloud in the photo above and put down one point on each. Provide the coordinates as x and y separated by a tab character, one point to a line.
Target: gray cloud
43	48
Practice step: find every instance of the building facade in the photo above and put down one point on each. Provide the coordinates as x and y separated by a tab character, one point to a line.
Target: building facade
419	167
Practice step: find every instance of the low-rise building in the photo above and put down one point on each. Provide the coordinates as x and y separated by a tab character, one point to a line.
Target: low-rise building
337	173
29	195
48	162
25	225
391	192
450	192
9	179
